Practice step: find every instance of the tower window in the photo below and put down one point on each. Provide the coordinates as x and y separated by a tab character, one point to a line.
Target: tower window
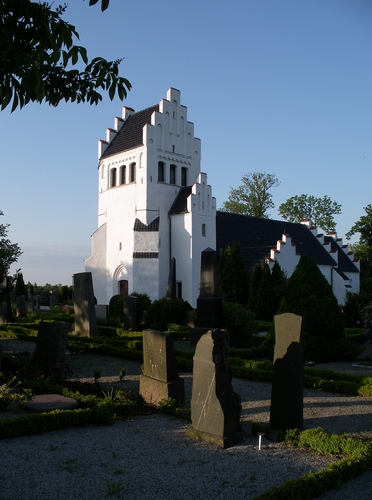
172	176
183	176
161	168
132	173
122	174
113	177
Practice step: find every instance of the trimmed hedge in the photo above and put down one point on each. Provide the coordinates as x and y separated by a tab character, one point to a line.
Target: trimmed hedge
357	460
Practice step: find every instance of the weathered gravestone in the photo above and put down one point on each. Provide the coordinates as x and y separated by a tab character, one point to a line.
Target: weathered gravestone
50	350
171	292
209	303
5	301
130	313
84	307
160	379
215	407
21	306
287	389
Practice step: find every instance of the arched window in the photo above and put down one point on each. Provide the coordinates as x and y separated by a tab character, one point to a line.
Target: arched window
113	177
161	169
172	174
183	176
204	230
132	173
123	174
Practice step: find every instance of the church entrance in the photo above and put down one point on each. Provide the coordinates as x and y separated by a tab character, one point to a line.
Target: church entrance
123	287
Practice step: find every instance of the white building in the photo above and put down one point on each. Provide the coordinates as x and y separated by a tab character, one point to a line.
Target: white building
154	203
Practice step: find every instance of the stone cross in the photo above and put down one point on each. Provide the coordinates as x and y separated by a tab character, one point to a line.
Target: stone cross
287	389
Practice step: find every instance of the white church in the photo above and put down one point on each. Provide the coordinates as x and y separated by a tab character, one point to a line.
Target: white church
155	204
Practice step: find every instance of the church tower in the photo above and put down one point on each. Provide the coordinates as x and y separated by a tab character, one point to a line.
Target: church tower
153	204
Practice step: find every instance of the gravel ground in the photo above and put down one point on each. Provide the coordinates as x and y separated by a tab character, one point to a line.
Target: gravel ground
149	457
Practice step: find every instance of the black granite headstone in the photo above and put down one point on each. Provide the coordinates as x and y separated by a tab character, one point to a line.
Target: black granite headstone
50	350
130	313
215	407
287	389
172	284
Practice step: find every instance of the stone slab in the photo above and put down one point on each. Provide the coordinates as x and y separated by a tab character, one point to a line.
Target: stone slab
153	391
48	402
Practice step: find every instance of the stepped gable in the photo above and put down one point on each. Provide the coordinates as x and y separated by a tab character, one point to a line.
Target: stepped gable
345	264
179	205
130	135
258	236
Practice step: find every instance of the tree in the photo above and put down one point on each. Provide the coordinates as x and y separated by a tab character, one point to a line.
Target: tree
20	287
38	59
9	252
320	211
252	197
232	278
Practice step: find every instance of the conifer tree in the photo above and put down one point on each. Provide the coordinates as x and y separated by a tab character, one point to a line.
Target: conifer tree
232	278
310	295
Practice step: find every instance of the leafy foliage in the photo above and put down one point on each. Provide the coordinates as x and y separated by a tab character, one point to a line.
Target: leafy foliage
310	295
320	211
232	278
39	59
252	197
164	311
9	252
240	323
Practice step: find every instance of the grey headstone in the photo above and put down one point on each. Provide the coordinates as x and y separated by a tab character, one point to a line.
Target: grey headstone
50	350
287	389
160	379
84	307
215	407
130	313
21	306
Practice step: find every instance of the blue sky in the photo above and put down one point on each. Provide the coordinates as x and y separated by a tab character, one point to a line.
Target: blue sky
282	87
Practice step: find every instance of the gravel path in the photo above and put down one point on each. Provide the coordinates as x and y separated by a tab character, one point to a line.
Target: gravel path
149	457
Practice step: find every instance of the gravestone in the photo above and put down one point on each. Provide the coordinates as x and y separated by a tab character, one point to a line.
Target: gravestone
21	306
286	410
172	283
50	350
84	306
209	303
160	379
215	407
130	313
5	301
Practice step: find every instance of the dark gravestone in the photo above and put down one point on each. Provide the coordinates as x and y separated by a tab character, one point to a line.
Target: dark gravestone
287	389
209	303
215	407
160	379
130	313
50	350
84	306
5	301
21	306
172	284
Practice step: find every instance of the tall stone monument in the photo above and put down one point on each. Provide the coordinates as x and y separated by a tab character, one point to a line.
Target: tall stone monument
215	407
209	302
84	307
287	389
5	301
160	379
172	283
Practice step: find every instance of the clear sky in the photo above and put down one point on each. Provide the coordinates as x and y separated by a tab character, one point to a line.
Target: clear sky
282	87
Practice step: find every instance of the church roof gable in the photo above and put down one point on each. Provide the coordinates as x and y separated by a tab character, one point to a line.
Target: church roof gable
130	135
